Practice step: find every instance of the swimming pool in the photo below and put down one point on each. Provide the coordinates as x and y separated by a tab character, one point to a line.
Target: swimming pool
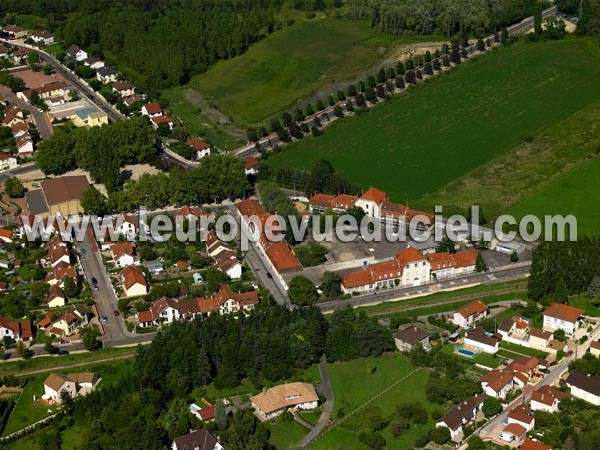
468	353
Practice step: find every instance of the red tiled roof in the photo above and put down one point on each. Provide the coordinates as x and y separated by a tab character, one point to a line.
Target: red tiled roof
547	395
564	312
133	275
153	108
515	429
409	255
521	413
162	119
250	207
374	195
344	201
529	444
476	307
207	413
145	316
539	333
198	144
6	234
282	257
122	248
322	200
250	162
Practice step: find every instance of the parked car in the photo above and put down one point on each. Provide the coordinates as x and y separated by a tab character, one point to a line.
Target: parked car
546	371
116	312
62	352
104	319
269	275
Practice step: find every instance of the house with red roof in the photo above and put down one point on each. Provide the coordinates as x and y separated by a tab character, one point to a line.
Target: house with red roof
547	398
513	432
371	201
250	165
134	282
18	330
124	254
201	147
56	297
530	444
67	323
562	317
470	314
152	109
6	236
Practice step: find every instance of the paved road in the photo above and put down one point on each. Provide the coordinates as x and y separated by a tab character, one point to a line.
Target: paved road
23	168
40	118
85	90
104	297
260	270
511	273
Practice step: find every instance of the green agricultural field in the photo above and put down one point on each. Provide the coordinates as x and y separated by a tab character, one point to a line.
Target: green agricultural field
424	138
293	64
572	193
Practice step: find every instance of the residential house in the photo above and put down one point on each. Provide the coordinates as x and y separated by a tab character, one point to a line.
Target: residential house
201	148
445	265
123	88
12	115
225	301
152	109
46	91
67	323
15	32
73	383
562	317
155	267
205	414
555	346
546	398
478	339
60	272
20	56
595	348
3	54
411	336
539	339
156	121
470	314
521	415
274	401
371	201
134	282
76	52
93	63
24	145
196	440
19	129
530	444
89	117
18	330
42	37
56	297
106	75
513	432
584	386
229	264
497	383
526	365
123	254
462	414
214	245
515	330
131	100
250	165
6	236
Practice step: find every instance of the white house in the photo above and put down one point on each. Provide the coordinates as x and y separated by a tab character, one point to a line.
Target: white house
521	415
24	145
6	236
196	440
42	37
228	263
539	339
513	432
411	336
93	63
152	109
462	414
470	314
73	383
478	339
497	383
201	148
123	88
76	52
16	330
56	297
274	401
562	317
371	201
547	399
15	32
250	165
123	254
106	75
584	386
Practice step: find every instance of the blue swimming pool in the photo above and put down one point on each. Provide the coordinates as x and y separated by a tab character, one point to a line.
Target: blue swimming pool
468	353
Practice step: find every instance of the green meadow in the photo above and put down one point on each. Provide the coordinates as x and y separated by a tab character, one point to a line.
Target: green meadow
428	136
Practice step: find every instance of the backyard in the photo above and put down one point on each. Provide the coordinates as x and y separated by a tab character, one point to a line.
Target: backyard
460	120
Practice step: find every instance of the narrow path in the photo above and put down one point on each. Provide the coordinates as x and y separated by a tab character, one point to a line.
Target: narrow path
326	389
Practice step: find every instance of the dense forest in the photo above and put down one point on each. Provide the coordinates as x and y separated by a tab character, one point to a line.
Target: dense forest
559	269
148	407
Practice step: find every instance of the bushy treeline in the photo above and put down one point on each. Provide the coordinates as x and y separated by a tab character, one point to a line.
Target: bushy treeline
100	150
559	269
443	16
589	22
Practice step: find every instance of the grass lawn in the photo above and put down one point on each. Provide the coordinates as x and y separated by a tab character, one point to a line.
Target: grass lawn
584	302
487	360
569	194
293	64
515	348
28	411
285	435
47	363
460	120
353	385
412	390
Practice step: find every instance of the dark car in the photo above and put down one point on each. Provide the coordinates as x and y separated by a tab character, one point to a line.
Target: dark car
94	281
62	352
269	275
116	312
546	371
104	319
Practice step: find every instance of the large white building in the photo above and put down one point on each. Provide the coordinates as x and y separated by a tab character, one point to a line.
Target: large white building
584	386
562	317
